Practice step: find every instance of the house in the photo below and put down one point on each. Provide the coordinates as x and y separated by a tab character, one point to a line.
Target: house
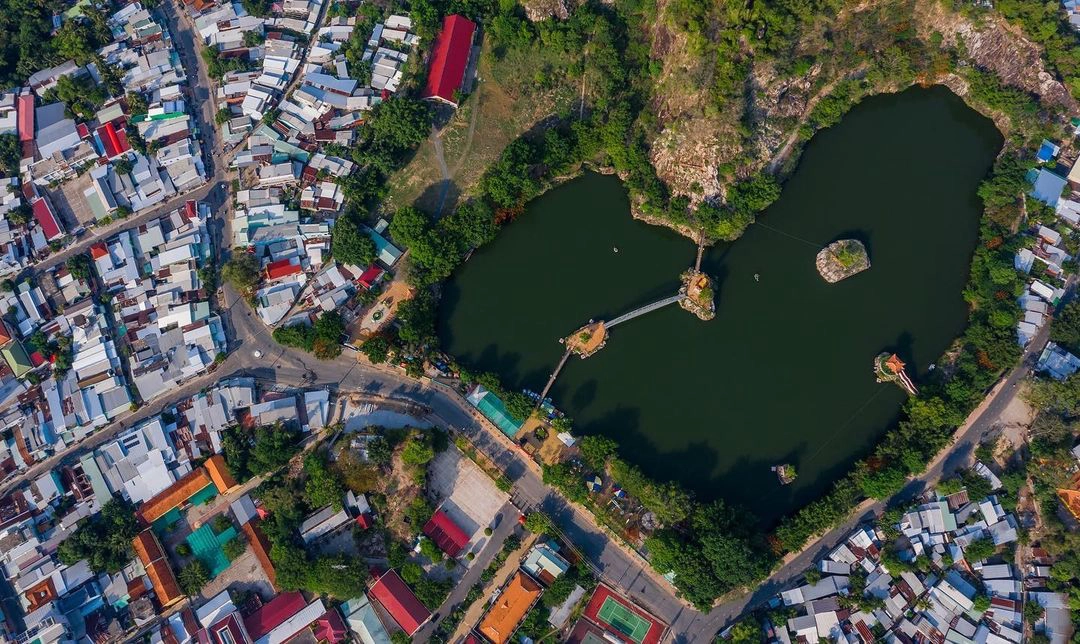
1046	186
322	523
386	252
544	563
446	534
151	555
396	599
1048	151
449	59
46	217
1057	362
273	613
364	621
55	133
509	608
113	140
221	622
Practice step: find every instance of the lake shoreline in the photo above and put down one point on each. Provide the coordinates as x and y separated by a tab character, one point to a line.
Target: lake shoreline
610	390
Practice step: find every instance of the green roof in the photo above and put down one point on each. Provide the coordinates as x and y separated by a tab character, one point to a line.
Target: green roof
493	409
17	359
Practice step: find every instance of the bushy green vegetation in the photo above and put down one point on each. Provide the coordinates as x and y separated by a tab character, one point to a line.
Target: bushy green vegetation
351	245
242	272
192	577
322	339
338	576
26	43
323	486
250	453
81	96
10	155
217	66
103	540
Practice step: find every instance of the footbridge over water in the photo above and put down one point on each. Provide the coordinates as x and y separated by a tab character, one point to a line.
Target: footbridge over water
593	336
648	308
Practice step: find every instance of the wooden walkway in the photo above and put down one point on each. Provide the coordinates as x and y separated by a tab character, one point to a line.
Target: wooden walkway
554	375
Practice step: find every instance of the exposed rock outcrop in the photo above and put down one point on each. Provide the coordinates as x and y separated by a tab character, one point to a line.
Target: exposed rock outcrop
842	259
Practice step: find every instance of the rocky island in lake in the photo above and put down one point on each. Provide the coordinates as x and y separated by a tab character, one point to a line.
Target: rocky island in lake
842	259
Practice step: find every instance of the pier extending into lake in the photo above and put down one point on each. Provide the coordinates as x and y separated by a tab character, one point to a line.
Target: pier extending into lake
593	336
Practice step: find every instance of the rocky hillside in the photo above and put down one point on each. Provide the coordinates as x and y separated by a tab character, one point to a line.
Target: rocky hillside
701	142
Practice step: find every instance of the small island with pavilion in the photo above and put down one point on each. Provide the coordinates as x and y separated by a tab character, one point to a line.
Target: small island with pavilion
700	297
842	259
888	367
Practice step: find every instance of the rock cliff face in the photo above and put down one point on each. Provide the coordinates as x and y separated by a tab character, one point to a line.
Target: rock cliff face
544	9
697	135
998	46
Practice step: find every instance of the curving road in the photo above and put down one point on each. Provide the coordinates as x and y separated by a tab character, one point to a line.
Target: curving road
282	366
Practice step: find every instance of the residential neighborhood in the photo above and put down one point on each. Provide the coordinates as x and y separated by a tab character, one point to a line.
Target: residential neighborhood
243	400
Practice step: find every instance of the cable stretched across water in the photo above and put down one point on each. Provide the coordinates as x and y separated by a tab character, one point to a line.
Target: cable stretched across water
771	492
789	235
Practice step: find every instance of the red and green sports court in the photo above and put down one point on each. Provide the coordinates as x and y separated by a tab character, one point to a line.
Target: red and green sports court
623	619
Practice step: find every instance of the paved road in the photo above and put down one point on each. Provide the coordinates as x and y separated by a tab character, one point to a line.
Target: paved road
283	366
507	525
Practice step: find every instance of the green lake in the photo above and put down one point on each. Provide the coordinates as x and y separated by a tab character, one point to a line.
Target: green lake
784	371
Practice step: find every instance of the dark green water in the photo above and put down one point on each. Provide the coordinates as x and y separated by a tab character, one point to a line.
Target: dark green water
783	373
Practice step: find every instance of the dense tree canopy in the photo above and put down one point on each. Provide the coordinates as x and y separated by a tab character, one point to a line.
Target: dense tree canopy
242	272
351	245
103	540
252	452
323	487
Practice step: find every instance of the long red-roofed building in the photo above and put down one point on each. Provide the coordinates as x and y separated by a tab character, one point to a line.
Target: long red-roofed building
393	595
449	59
46	218
283	268
446	534
26	117
274	613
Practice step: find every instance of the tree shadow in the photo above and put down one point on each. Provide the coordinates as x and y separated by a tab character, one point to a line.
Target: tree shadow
438	198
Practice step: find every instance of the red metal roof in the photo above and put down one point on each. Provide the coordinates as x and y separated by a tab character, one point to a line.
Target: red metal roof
441	529
45	217
449	58
98	250
273	614
330	628
392	593
368	277
190	210
82	130
281	268
114	141
26	117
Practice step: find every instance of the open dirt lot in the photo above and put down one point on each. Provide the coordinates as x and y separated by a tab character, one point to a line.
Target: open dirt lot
468	496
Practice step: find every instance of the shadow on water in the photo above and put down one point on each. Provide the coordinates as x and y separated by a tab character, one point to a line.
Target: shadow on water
783	373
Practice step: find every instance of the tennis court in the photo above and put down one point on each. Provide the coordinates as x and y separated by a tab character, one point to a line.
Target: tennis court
206	545
621	619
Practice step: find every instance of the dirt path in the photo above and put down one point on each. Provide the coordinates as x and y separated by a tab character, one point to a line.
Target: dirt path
469	134
785	150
